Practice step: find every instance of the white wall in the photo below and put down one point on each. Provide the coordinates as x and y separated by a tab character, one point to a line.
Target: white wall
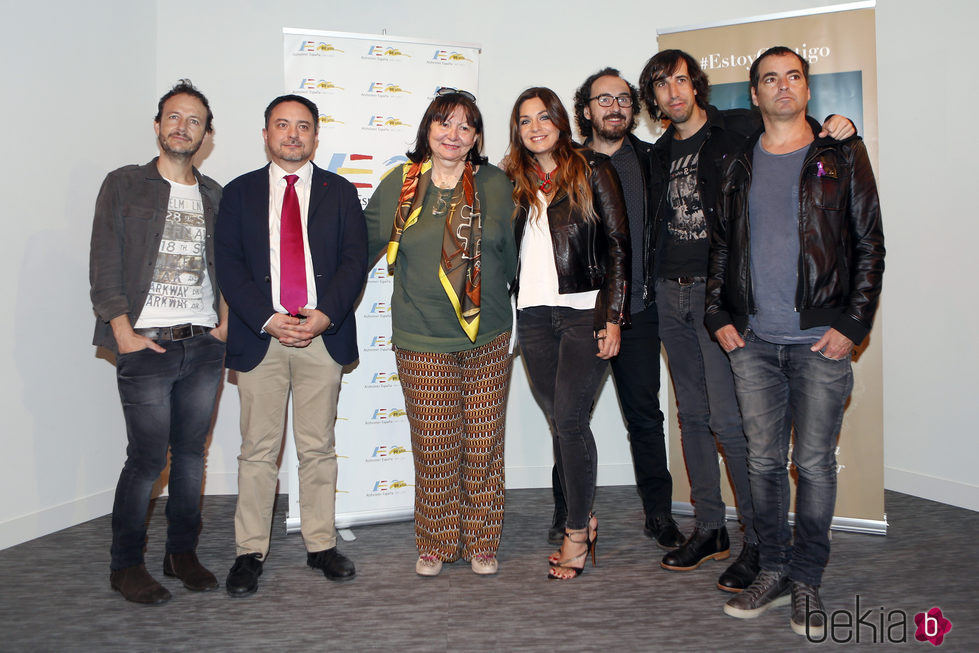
98	68
927	148
77	102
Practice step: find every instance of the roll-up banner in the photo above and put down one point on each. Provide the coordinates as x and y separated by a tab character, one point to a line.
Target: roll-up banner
371	90
839	43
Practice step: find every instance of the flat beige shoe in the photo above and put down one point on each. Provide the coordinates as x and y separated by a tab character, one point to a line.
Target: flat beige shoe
484	565
428	565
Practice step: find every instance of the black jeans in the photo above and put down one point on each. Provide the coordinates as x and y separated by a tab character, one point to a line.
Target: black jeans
636	374
559	348
168	401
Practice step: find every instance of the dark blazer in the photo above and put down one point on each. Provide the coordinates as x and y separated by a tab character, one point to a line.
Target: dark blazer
337	237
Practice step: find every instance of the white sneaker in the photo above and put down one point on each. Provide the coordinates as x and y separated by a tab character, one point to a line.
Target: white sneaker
428	565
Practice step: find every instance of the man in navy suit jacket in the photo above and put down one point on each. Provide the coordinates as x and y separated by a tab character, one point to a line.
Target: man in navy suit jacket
286	228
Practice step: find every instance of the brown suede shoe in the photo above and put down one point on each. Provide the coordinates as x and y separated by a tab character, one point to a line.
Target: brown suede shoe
136	585
190	571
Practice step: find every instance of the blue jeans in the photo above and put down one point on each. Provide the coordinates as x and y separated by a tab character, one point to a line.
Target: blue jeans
781	386
706	404
168	401
559	349
636	374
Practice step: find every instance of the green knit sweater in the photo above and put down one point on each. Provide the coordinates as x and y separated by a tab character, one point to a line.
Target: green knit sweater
422	315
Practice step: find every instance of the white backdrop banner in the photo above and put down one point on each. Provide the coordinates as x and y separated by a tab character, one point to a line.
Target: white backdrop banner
371	90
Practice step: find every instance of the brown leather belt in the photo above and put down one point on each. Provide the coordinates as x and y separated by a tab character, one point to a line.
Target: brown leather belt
178	332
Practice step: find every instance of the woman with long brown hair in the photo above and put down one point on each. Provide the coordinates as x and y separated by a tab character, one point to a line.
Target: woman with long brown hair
572	237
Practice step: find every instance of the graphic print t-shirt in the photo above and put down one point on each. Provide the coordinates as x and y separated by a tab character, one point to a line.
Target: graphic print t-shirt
683	244
181	290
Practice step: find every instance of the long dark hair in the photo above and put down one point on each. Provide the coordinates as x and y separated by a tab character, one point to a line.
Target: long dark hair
440	109
663	64
572	170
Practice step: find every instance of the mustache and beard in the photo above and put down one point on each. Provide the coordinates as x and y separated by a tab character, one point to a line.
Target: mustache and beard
183	146
615	131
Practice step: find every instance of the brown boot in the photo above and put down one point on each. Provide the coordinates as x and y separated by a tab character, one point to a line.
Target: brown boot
190	571
136	585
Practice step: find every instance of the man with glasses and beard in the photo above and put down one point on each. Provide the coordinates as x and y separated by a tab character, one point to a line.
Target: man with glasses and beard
605	111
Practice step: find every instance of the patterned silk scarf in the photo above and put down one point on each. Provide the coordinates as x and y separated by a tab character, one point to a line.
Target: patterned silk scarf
459	265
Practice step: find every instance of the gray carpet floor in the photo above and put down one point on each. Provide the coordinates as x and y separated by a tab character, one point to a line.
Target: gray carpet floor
55	591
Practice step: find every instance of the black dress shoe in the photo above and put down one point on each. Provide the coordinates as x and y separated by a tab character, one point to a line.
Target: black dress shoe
555	534
664	530
190	571
742	571
334	564
243	577
136	585
702	546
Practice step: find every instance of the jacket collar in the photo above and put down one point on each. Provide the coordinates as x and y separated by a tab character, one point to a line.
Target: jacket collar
152	173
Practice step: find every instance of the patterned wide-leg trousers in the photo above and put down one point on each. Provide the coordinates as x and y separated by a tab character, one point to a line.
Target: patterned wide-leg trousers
456	405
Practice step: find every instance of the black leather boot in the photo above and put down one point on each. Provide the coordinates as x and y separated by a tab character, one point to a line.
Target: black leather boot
742	571
702	546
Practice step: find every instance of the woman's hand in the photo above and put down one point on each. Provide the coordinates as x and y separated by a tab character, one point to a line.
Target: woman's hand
609	341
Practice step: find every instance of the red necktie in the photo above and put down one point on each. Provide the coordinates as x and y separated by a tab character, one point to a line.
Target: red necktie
292	259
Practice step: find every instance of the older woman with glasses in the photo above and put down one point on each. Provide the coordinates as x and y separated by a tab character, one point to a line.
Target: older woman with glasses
572	235
444	219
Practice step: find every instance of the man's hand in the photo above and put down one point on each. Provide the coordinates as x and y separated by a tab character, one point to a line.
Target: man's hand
220	332
833	345
609	341
295	332
283	327
728	338
838	128
127	340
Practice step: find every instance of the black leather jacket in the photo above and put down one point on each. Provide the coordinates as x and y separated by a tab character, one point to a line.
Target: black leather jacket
841	261
591	255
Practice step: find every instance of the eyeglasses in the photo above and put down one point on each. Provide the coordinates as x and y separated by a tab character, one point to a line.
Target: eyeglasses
448	90
605	100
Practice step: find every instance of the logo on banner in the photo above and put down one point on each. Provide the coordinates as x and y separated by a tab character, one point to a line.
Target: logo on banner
379	343
384	453
449	58
378	309
384	52
329	120
383	380
386	416
384	124
316	49
313	85
380	272
384	89
351	166
388	486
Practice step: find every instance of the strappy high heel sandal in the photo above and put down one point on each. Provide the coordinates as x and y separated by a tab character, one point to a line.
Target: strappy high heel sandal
554	573
555	558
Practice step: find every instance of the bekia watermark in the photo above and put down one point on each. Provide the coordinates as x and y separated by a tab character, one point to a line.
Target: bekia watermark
878	625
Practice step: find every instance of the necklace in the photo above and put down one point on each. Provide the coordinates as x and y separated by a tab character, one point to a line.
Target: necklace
546	184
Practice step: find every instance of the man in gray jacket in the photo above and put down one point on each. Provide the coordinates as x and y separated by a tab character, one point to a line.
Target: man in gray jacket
159	310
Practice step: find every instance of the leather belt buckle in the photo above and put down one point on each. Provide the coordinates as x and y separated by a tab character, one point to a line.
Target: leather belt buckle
687	281
182	332
174	333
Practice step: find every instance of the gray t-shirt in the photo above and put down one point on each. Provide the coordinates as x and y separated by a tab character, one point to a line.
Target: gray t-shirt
773	213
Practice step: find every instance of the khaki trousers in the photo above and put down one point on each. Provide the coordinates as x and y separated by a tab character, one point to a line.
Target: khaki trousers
313	377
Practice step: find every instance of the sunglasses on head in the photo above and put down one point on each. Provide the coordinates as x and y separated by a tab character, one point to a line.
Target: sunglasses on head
448	90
